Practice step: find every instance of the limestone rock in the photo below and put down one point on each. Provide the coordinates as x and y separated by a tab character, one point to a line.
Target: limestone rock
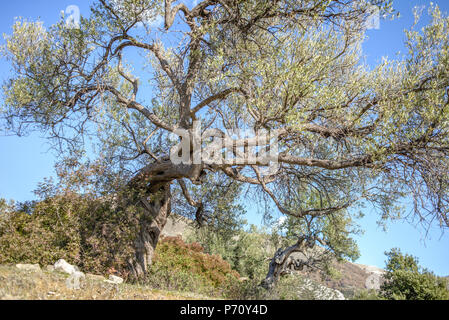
375	277
65	267
315	291
75	280
29	267
114	280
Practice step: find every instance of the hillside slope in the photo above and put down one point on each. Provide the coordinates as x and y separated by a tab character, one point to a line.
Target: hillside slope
16	284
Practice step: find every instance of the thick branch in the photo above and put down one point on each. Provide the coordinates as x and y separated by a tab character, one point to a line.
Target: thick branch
218	96
170	13
164	171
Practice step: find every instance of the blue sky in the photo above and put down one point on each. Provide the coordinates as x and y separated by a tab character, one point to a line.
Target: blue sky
26	161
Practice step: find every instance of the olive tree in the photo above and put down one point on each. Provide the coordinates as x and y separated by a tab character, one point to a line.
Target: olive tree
339	132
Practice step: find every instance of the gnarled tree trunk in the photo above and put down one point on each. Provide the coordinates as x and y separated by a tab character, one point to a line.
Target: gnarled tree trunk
150	189
282	263
156	209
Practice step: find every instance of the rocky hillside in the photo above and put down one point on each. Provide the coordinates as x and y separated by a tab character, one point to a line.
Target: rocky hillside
352	278
177	226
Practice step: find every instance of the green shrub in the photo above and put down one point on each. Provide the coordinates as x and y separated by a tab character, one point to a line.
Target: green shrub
367	295
185	267
92	235
247	252
247	290
406	280
50	233
83	231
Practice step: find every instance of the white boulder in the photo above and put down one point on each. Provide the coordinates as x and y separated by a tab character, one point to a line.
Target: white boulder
114	280
63	266
29	267
75	279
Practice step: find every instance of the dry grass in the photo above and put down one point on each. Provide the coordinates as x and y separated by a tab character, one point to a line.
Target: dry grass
18	284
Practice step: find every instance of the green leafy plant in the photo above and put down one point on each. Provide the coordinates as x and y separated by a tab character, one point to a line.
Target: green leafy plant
185	267
405	279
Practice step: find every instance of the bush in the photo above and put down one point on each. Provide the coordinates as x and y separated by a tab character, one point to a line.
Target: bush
50	233
85	232
406	280
247	252
185	267
247	290
367	295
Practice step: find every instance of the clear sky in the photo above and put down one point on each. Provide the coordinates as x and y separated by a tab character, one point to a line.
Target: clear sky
26	161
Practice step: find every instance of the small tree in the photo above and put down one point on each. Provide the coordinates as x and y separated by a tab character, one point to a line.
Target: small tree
405	279
333	234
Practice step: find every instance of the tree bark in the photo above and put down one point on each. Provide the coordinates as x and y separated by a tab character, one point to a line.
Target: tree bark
282	263
156	209
150	189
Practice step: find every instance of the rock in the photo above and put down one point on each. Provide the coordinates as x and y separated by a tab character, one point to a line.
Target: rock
339	295
315	291
65	267
114	280
29	267
374	281
371	269
95	277
175	226
375	277
75	280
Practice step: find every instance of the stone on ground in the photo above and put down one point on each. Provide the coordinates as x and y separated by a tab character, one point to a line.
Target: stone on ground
29	267
65	267
114	280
